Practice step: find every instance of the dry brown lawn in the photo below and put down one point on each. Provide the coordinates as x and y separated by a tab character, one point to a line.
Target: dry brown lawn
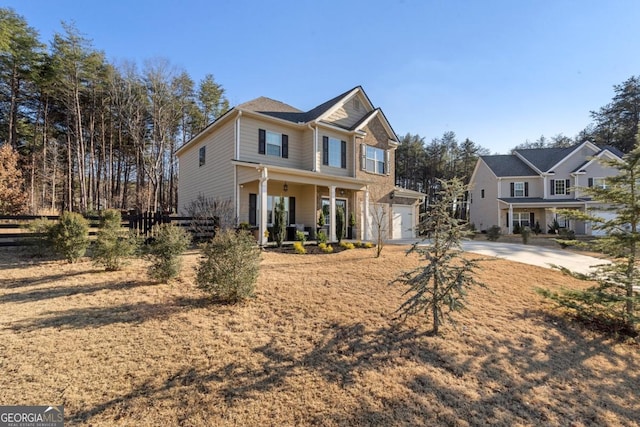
317	346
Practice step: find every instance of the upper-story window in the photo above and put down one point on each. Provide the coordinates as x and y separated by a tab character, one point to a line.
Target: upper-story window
273	143
202	156
560	186
374	160
334	152
519	189
598	182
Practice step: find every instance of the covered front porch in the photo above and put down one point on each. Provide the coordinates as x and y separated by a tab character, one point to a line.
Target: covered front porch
306	196
516	213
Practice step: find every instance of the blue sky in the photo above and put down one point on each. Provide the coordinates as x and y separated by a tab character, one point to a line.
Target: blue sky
496	71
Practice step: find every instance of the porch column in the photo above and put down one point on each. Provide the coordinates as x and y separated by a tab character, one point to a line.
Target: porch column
262	194
332	213
365	216
510	222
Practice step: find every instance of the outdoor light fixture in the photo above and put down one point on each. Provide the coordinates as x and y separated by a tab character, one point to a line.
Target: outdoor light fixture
285	187
341	192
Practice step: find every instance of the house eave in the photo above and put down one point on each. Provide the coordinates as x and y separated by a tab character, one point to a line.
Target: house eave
305	176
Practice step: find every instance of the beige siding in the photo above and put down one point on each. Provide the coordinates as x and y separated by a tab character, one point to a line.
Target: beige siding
215	177
348	171
595	170
348	115
536	186
483	211
249	144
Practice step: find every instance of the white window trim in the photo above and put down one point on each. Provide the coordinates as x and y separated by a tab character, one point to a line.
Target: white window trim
277	136
516	190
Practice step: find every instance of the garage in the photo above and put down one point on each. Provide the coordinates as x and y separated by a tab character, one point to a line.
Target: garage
607	216
403	222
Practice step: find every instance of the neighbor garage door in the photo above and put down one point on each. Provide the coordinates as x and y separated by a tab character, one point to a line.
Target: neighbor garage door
403	227
603	214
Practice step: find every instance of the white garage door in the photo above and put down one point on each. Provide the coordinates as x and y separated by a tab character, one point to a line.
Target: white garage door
603	214
403	222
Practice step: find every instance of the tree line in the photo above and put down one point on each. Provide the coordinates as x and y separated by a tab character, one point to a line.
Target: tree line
92	134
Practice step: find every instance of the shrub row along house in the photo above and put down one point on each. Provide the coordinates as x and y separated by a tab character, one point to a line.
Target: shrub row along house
338	154
527	187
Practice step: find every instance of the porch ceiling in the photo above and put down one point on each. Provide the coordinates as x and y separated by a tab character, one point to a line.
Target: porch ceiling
298	176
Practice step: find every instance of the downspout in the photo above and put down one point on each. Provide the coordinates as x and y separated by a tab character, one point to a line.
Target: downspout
235	168
262	190
315	147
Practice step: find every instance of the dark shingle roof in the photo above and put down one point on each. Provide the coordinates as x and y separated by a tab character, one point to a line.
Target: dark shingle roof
612	149
508	165
278	109
546	158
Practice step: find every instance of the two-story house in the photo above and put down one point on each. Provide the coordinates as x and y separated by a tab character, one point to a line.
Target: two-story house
338	154
530	185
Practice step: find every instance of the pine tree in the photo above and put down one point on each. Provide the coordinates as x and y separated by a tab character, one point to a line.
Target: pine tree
442	282
615	298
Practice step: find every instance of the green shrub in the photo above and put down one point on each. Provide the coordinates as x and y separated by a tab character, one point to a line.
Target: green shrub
525	232
516	228
536	228
229	268
322	237
164	250
70	236
567	237
113	243
340	223
299	248
300	236
368	245
279	225
493	233
40	243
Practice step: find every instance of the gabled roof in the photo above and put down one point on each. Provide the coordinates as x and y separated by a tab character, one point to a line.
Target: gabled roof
504	165
608	151
544	159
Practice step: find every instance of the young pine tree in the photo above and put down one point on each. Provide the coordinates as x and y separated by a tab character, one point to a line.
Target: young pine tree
442	282
279	225
616	296
113	243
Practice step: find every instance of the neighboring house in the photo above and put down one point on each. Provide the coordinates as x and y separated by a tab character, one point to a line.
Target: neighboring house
340	153
530	185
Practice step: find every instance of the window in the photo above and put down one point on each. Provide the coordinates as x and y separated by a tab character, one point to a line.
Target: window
560	186
334	152
273	144
518	189
271	203
522	219
598	183
375	160
325	209
203	155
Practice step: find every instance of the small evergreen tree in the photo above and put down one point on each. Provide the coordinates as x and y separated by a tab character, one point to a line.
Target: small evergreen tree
279	224
615	298
113	243
229	268
164	250
70	236
340	223
442	282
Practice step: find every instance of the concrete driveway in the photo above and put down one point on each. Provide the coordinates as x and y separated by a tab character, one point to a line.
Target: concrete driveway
528	254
